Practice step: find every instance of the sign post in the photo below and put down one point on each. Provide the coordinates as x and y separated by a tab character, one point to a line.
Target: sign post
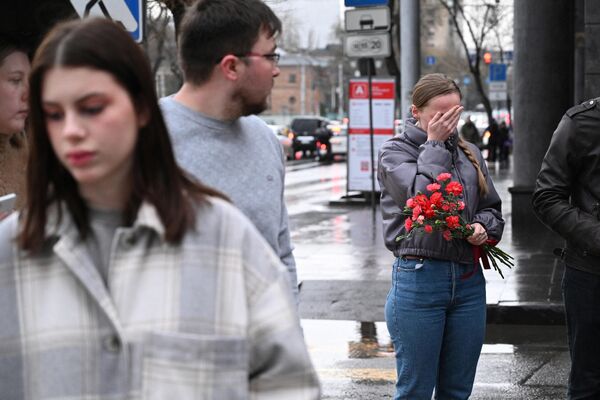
497	85
369	38
373	18
365	3
371	115
368	45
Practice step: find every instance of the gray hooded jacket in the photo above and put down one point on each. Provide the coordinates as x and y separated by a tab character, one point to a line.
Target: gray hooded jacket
407	164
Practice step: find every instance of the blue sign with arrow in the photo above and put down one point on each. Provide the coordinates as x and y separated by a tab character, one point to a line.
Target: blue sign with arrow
137	9
127	13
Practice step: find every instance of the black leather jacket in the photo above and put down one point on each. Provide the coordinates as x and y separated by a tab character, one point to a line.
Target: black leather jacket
567	193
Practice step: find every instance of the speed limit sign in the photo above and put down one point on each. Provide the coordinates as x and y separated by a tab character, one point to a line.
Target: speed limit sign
368	45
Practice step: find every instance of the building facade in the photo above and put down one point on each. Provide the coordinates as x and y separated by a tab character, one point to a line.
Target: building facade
298	89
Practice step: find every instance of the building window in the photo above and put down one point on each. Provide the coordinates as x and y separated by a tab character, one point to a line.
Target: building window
292	78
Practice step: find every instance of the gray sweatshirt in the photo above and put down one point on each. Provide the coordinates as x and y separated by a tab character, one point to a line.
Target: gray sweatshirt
244	160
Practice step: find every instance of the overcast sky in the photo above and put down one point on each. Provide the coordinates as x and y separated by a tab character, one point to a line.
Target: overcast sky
318	15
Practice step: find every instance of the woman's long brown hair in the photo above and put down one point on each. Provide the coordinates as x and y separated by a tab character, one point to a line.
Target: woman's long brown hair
102	45
433	85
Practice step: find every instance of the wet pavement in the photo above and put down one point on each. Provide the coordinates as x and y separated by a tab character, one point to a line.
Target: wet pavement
356	361
345	272
345	244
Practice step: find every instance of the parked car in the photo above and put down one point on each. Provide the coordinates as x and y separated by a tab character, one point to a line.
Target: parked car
285	140
311	136
339	140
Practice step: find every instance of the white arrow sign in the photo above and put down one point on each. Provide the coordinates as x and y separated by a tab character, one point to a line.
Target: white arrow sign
498	86
116	10
373	18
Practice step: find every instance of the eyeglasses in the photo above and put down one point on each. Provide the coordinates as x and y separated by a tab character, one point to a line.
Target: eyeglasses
273	57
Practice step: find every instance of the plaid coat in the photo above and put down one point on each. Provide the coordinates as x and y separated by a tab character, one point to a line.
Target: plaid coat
211	318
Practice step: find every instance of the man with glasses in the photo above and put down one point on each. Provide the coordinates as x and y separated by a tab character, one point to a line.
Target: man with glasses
228	56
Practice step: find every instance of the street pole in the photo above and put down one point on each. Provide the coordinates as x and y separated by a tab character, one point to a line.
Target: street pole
303	87
410	49
340	91
370	78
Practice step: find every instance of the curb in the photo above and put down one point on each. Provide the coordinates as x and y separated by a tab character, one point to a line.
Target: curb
526	314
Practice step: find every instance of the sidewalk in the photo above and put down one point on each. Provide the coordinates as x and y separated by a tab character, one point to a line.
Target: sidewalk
346	272
531	292
346	269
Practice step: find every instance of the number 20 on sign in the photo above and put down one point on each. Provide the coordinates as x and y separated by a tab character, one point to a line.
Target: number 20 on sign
367	45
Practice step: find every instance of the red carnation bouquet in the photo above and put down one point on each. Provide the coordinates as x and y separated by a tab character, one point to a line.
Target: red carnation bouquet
440	211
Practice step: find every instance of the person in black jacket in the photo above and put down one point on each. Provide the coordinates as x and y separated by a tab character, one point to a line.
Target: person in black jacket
493	141
470	133
566	199
503	144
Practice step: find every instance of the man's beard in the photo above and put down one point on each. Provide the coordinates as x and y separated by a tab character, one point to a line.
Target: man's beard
249	104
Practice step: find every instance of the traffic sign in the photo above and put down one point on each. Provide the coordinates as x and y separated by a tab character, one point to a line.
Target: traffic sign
381	118
127	13
497	96
497	86
365	3
497	72
430	60
372	18
368	45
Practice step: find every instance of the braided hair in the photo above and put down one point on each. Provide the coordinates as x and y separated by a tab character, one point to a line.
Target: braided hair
433	85
481	182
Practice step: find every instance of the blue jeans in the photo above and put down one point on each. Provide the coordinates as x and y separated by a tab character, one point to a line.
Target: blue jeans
581	292
436	319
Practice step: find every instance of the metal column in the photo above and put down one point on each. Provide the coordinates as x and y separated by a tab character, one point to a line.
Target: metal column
410	52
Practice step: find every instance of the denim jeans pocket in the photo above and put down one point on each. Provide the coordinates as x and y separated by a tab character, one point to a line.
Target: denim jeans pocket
410	265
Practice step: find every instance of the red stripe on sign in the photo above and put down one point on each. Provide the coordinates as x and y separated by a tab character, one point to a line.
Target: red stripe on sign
381	90
384	90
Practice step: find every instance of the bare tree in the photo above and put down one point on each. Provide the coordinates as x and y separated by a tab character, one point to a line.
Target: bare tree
473	23
157	22
177	8
289	38
160	43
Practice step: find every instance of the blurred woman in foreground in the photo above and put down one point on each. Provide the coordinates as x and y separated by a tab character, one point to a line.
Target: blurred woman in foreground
128	279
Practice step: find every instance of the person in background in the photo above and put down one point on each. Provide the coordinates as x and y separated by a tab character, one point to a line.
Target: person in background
470	133
228	56
14	87
567	200
129	279
503	144
493	141
436	308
